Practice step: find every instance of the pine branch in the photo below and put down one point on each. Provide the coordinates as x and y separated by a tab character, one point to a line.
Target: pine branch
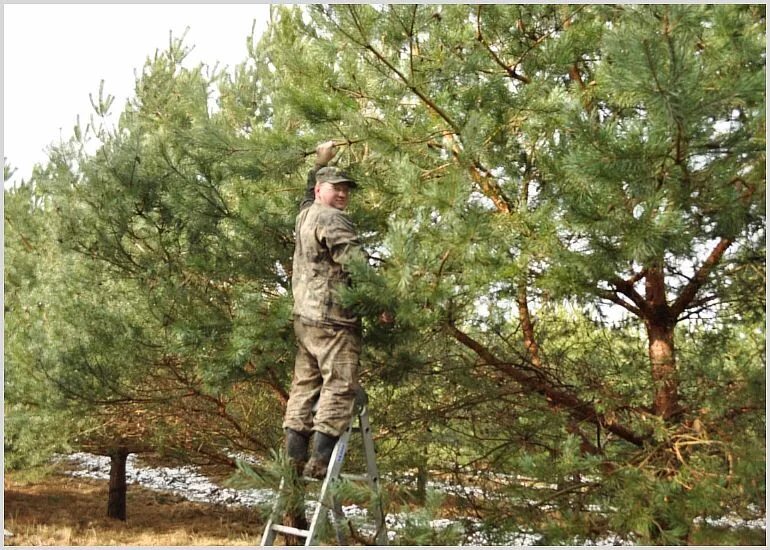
478	172
382	59
576	76
627	289
570	489
696	307
690	290
613	297
527	327
509	69
542	38
579	410
24	239
219	405
273	383
490	187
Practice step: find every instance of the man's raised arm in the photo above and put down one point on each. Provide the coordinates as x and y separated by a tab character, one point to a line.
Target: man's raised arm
323	154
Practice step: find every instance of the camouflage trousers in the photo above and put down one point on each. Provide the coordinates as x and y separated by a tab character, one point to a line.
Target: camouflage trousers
326	371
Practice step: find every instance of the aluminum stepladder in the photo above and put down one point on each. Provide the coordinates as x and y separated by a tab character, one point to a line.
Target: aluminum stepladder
326	499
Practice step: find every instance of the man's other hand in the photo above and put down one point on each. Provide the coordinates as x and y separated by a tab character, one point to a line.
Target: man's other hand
387	318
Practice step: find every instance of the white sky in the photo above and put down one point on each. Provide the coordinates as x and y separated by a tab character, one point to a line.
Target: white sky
55	55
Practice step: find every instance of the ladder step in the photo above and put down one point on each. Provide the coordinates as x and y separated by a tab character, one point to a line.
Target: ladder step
349	477
291	530
355	477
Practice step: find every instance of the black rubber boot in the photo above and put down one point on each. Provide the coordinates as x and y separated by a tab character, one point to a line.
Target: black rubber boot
296	448
323	446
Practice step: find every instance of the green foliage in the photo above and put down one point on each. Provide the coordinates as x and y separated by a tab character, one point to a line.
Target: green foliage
277	474
34	425
157	291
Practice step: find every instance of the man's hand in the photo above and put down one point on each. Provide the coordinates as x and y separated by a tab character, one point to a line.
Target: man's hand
324	153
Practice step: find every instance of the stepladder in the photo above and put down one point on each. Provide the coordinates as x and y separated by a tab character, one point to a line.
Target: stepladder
327	502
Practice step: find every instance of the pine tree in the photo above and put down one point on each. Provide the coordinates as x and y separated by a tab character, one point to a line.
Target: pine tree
517	156
158	286
34	426
663	167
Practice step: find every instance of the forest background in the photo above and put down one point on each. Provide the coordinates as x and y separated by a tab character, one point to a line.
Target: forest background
565	208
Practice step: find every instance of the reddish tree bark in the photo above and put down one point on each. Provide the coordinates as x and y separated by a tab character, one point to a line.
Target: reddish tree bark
660	325
663	362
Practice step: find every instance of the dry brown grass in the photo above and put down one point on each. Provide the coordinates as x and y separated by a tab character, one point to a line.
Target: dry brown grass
63	511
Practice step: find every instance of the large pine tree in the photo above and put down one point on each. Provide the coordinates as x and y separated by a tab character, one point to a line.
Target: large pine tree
517	156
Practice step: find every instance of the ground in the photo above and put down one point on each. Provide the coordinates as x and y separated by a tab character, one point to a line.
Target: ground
58	510
50	508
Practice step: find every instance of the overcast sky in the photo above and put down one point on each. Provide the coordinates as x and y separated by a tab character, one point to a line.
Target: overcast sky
54	55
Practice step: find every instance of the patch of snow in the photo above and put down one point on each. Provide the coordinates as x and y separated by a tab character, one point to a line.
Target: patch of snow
244	457
442	523
183	481
611	540
733	521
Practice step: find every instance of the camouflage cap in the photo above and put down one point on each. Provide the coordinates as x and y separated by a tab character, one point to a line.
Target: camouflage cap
332	174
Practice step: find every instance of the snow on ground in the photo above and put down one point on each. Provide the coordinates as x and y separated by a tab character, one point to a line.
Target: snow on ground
184	481
733	521
188	483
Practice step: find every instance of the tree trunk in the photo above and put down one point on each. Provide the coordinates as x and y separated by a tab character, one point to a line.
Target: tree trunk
527	328
116	502
663	362
422	482
522	299
660	325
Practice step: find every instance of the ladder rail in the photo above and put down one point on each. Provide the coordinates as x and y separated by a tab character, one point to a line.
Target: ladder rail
339	520
335	466
381	535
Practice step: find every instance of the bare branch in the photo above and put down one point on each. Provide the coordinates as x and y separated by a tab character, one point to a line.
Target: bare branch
691	289
627	289
613	297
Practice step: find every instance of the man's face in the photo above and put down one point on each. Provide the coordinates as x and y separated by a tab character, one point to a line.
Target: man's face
335	195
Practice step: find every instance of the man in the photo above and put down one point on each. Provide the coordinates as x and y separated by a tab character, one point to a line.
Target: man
328	335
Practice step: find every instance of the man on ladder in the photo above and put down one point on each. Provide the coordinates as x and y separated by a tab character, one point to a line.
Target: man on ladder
328	335
323	398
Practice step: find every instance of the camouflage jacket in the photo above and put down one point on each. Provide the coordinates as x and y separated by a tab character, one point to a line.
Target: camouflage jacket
325	240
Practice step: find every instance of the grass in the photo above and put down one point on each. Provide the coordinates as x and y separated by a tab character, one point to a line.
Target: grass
58	510
720	536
